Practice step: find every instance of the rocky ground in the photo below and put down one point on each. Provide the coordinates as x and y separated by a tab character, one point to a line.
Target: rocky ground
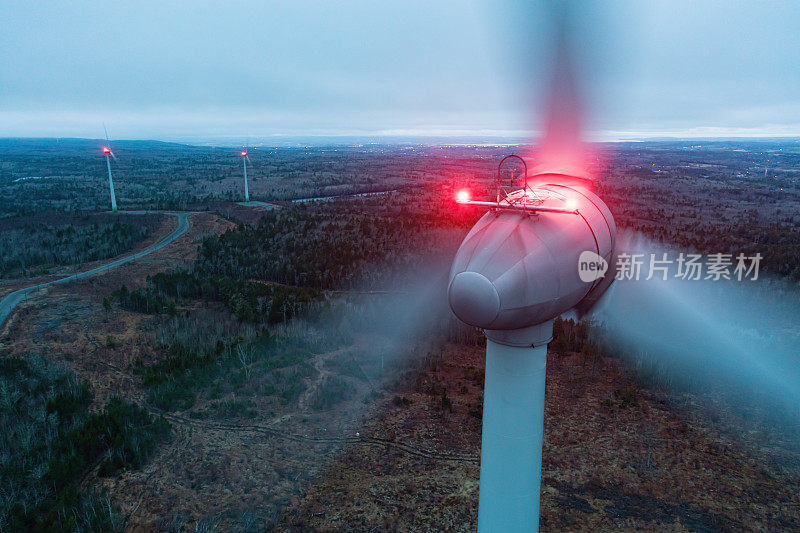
616	457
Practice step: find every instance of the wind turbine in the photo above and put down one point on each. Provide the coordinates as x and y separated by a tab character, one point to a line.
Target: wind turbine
548	245
542	249
109	154
245	159
539	251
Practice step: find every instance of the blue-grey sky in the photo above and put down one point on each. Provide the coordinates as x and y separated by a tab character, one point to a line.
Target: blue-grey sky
198	70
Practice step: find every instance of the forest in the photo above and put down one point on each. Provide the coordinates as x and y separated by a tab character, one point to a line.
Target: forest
50	440
33	246
316	312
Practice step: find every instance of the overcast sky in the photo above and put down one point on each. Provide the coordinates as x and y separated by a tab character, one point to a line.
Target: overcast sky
195	70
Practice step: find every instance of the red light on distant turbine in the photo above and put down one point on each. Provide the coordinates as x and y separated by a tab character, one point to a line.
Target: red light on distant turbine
462	196
106	150
243	153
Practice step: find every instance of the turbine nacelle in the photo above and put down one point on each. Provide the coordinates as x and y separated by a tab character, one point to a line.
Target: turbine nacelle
107	151
518	268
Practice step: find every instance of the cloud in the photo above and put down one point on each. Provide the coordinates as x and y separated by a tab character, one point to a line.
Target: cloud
172	69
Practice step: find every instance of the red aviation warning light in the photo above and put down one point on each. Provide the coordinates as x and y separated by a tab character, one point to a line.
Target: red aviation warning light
106	150
243	153
463	196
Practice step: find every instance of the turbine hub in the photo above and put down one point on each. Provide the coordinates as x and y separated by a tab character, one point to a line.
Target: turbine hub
474	299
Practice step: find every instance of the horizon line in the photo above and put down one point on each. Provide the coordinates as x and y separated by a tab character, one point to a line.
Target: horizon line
421	139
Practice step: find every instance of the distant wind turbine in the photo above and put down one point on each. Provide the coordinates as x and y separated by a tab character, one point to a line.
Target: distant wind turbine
109	154
245	159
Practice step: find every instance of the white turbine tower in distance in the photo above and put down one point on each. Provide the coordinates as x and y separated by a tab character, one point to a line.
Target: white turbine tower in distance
245	160
109	154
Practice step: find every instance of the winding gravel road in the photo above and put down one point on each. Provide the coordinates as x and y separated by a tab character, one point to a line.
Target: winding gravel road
8	303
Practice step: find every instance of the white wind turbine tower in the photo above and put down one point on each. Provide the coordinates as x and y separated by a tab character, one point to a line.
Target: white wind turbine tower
245	160
109	154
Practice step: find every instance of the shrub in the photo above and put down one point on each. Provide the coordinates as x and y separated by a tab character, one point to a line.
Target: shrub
51	443
330	392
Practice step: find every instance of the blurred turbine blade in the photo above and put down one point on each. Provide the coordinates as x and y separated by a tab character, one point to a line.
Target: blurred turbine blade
562	149
561	142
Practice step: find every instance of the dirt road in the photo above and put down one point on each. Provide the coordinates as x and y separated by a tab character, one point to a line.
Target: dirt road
13	299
